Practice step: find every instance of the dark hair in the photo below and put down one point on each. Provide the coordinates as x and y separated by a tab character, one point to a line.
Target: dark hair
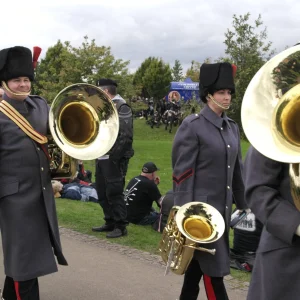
204	91
111	89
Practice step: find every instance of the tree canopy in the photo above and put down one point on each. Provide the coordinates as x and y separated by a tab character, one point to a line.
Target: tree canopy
246	45
153	78
247	48
177	74
65	64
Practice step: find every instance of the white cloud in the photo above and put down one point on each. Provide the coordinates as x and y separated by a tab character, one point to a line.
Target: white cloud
172	29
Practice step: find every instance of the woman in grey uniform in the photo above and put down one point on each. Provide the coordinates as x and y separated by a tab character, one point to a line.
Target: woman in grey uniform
28	221
207	167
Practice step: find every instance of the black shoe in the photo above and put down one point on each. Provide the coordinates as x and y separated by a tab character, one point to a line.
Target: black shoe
117	232
104	228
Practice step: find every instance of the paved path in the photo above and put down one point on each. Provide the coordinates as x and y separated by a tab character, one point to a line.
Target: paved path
105	271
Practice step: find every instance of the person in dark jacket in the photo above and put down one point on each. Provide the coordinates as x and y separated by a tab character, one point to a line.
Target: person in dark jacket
140	194
207	167
111	168
28	221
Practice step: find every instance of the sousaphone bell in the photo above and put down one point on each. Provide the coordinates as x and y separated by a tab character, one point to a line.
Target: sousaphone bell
84	125
271	113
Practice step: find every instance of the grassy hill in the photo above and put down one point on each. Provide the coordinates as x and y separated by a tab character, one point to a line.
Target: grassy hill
149	145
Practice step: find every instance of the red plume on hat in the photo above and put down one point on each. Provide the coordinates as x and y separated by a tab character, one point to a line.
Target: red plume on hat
36	53
234	69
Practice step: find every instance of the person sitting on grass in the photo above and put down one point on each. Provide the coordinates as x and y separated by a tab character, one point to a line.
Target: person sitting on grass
140	194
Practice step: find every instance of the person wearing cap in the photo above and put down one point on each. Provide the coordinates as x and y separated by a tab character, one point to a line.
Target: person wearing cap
207	167
28	220
140	194
111	168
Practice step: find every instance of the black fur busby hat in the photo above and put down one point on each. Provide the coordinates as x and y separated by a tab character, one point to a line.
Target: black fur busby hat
214	77
16	62
106	82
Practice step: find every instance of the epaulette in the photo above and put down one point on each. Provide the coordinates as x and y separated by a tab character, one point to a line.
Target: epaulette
39	97
119	102
231	120
36	96
192	118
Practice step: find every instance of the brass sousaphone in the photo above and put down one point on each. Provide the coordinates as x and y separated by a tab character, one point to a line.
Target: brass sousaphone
271	112
84	125
188	228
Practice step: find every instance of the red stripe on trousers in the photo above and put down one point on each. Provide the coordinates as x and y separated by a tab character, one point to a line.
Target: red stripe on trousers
210	293
17	290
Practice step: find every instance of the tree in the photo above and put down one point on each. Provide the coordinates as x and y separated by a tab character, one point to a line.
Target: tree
153	78
194	71
98	62
56	71
65	64
157	78
247	48
138	77
177	71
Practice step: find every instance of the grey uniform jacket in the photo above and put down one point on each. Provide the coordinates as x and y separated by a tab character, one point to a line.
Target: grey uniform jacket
207	167
276	273
28	218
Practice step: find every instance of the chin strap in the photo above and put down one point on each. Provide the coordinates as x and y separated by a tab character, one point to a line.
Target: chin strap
15	94
217	103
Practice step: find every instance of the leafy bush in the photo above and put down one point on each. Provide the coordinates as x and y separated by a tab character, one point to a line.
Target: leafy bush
137	106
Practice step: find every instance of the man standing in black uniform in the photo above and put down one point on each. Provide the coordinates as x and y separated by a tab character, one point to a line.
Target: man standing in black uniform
111	168
28	221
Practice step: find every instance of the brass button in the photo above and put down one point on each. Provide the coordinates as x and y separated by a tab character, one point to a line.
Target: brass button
42	168
228	146
228	187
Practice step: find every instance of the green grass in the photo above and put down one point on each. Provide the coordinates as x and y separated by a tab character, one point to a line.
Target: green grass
149	145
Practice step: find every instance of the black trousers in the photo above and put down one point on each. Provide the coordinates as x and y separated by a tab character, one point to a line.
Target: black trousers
21	290
214	286
110	180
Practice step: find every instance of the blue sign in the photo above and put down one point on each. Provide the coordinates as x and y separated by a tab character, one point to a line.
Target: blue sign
187	90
